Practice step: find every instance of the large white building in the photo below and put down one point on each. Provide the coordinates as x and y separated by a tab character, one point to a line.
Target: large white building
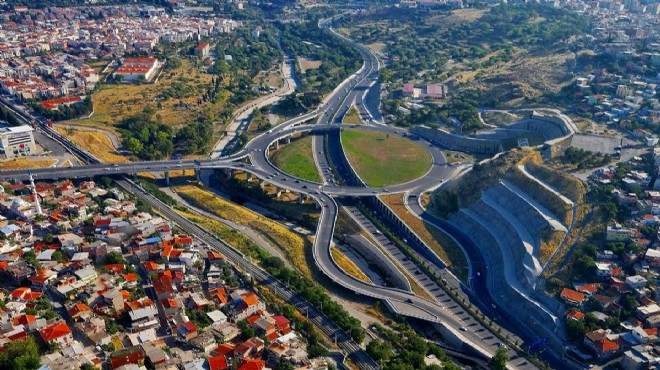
132	69
16	141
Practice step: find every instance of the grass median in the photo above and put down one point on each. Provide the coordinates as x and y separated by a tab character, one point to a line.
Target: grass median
297	159
348	265
382	159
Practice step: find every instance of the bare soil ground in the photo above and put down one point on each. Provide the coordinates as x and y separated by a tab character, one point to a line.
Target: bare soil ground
526	77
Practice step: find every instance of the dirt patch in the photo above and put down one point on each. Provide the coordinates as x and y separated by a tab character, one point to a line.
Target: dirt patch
306	64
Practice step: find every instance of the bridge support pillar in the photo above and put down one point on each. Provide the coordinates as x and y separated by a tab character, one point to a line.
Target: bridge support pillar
198	174
277	145
227	172
301	198
287	140
318	205
262	183
248	177
167	178
278	192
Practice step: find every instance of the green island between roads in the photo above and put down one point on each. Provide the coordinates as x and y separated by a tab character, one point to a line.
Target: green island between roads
297	159
381	159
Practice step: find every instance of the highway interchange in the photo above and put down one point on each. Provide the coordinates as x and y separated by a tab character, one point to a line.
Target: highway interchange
253	158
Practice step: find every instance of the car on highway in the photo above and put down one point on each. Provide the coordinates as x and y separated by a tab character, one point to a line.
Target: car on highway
462	328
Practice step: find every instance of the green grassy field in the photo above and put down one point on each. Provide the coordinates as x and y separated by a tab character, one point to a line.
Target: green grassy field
297	159
381	159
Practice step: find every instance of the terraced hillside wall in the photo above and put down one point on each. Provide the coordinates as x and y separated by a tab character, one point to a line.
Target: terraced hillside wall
458	142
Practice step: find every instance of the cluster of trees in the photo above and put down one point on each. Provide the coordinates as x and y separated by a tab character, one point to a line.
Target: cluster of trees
463	109
194	138
338	58
199	317
317	296
20	355
531	23
585	158
146	137
249	54
295	104
9	117
404	349
260	119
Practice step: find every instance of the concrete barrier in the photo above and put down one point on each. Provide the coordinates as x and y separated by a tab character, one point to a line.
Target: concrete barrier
458	142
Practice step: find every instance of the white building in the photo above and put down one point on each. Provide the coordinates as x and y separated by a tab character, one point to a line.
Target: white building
134	69
16	141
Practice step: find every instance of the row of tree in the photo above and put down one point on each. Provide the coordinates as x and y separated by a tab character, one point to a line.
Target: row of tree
65	112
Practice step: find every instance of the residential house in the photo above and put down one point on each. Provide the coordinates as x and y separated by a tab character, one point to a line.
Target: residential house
59	333
572	297
602	342
143	314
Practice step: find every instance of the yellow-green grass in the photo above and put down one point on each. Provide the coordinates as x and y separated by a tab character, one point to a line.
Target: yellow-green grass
95	143
381	159
297	159
290	243
348	266
115	102
19	163
306	64
439	242
352	117
232	237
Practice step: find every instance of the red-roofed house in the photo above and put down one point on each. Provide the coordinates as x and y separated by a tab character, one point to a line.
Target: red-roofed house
188	330
575	315
248	306
602	342
79	310
572	297
251	364
59	333
24	319
225	349
218	363
130	356
202	50
25	294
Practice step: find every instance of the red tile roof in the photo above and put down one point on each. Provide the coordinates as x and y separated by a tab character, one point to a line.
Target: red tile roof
78	309
24	319
572	296
218	363
251	364
55	331
225	349
575	315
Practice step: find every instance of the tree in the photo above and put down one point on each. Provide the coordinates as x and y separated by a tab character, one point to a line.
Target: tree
87	366
285	365
113	258
316	351
58	256
498	362
247	331
20	355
